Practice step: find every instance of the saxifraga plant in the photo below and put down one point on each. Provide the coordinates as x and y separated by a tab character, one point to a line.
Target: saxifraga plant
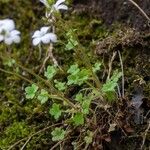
75	110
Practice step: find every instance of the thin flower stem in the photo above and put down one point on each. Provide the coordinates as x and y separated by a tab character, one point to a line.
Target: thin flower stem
87	62
63	100
88	65
50	55
37	76
40	51
46	58
50	52
20	76
59	94
13	73
81	50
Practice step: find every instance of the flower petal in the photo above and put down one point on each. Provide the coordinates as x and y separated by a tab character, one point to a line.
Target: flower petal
1	22
36	41
64	7
44	30
49	37
8	40
36	34
46	39
59	2
7	24
45	3
14	32
16	39
53	37
1	38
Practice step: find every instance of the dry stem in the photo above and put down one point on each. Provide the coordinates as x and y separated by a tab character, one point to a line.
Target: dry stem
140	9
145	135
30	137
110	64
49	55
122	69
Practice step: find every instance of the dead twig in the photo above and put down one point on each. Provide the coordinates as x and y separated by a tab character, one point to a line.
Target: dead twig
58	143
140	9
30	137
146	114
110	64
122	69
119	91
25	143
145	135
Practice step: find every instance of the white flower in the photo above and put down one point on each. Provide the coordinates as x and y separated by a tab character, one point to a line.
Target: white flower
45	2
58	5
10	37
43	36
8	34
7	25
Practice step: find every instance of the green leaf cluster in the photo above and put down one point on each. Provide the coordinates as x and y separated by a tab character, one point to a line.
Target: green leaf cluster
96	67
72	42
77	76
50	72
78	119
88	139
109	87
61	86
58	134
9	62
31	91
55	111
111	83
84	102
43	96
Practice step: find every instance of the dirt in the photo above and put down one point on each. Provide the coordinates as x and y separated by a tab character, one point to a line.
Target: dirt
131	37
129	33
112	11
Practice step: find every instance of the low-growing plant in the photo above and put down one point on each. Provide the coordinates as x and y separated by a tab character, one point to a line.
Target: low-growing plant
74	110
52	88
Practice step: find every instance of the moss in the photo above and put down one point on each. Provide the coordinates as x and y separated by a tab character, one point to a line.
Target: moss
17	115
16	131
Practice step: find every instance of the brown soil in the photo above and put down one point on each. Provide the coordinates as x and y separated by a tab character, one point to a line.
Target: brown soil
133	42
112	11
